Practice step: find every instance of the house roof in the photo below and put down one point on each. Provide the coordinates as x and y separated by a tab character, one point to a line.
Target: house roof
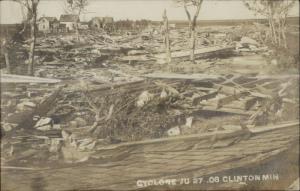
84	23
97	18
50	19
69	18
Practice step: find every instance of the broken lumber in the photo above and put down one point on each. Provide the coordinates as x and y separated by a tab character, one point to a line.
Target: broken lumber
227	110
210	95
182	76
228	99
249	102
9	78
202	52
259	129
205	136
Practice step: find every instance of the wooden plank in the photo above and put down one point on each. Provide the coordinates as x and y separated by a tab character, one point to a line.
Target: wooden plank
219	135
257	130
228	99
226	110
115	85
182	76
198	52
210	95
10	78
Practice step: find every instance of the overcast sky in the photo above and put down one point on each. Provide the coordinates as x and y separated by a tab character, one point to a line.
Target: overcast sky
11	12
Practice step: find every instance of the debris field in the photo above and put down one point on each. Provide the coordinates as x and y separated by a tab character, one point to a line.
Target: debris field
107	100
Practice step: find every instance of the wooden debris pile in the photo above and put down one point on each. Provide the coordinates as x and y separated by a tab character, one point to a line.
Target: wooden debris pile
71	120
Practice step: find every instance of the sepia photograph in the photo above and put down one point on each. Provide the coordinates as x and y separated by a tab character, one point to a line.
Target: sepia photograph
149	95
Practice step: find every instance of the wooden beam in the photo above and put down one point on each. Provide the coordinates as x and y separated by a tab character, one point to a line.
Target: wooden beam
259	129
182	76
9	78
204	136
199	52
228	99
227	110
210	95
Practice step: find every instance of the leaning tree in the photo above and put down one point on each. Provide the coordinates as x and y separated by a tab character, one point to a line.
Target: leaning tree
31	17
188	6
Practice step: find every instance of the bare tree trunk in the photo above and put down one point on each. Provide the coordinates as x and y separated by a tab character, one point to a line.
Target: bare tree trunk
283	30
77	32
77	26
189	18
192	44
166	38
33	40
278	32
6	56
271	31
271	23
274	32
7	62
190	29
284	37
193	31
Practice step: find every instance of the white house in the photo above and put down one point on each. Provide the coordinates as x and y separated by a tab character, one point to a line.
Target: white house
48	24
70	21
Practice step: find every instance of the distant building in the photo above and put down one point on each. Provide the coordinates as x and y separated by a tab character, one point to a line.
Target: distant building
101	22
62	28
70	22
84	25
96	23
48	24
172	26
108	20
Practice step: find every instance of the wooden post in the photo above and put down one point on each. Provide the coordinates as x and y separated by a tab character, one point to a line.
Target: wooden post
167	38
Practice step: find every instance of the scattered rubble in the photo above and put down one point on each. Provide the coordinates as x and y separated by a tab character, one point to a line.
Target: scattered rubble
152	109
120	90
